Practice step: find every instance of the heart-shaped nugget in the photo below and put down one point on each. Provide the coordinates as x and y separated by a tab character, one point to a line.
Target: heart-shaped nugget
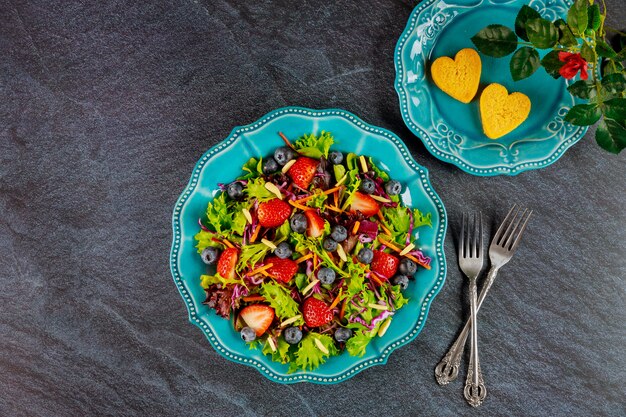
500	112
459	77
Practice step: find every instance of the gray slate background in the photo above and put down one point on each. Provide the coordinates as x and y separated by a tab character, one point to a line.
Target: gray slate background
105	108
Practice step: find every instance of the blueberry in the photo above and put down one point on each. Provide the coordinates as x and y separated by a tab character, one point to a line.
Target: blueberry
339	233
407	267
209	255
270	165
283	250
393	187
342	334
326	275
234	190
401	280
292	335
335	157
283	155
329	244
247	334
367	186
298	223
365	255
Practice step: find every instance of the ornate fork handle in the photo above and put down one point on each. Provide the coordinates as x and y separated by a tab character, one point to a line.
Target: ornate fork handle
448	369
474	391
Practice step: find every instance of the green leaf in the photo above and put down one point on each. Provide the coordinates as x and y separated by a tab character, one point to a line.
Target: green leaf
603	49
357	344
420	219
542	33
524	62
205	239
551	64
399	299
281	301
525	14
308	356
318	200
207	280
577	17
583	89
594	19
611	136
612	67
379	172
253	168
615	109
566	37
495	40
586	51
282	350
314	146
251	254
339	171
583	114
356	276
614	83
256	189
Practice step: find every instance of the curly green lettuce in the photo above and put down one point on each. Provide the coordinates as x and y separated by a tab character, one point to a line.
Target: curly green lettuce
314	146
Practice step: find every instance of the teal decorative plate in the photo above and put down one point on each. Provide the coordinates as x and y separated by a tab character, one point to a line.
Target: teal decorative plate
451	130
223	162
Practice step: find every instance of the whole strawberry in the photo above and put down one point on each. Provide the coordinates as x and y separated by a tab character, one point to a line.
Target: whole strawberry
384	264
315	312
303	171
273	213
282	269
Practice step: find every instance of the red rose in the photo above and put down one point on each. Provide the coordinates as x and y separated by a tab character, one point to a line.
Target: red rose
573	64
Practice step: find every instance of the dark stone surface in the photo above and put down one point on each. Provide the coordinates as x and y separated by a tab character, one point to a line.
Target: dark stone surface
105	108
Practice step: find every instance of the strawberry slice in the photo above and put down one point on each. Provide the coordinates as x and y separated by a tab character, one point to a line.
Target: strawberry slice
273	213
315	312
303	171
282	269
365	204
227	262
258	317
384	264
315	227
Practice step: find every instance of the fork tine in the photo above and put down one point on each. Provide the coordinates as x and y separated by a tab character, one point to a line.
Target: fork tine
480	232
512	234
462	238
519	234
475	236
496	237
509	228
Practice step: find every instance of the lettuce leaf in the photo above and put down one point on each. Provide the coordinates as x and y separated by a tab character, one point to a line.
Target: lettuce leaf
301	281
399	300
217	214
304	244
205	239
318	200
356	272
309	356
282	350
352	185
256	189
357	344
251	254
253	168
420	219
207	280
379	172
314	146
226	218
281	301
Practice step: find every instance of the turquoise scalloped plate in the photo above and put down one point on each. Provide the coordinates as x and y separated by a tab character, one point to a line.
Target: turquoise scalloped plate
452	130
223	162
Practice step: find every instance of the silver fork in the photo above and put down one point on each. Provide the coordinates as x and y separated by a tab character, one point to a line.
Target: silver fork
503	246
471	256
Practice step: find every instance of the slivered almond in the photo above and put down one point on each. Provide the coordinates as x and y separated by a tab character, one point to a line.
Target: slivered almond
356	227
321	346
272	344
341	253
288	165
381	199
247	215
407	249
291	320
342	180
273	189
377	306
363	163
304	258
384	327
308	287
261	269
268	243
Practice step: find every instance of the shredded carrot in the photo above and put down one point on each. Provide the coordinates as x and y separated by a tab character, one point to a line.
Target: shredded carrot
375	279
304	258
387	231
255	234
227	243
331	190
296	205
338	210
336	198
342	312
389	244
315	261
264	273
414	259
254	298
356	227
261	269
380	216
286	140
337	299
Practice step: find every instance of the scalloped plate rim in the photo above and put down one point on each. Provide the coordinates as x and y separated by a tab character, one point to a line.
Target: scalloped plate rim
510	170
348	373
